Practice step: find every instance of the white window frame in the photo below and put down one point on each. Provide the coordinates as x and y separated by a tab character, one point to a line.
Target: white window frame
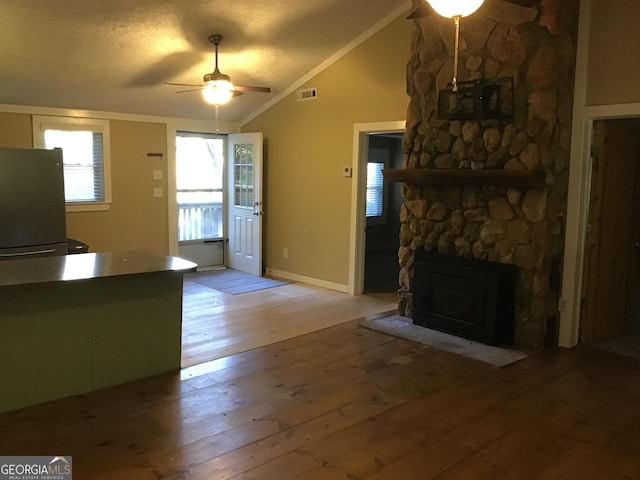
41	123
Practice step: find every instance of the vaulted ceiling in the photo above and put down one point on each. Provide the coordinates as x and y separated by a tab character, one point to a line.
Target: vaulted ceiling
115	55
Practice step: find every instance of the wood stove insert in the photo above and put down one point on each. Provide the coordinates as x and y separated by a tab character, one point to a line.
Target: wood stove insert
466	297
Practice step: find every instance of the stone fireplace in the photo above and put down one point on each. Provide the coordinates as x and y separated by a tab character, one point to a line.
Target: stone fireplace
495	218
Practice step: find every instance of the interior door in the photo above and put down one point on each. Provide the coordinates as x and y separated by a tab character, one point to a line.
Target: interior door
611	254
245	202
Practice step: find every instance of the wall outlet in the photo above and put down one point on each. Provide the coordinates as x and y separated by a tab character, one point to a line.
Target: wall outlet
285	253
157	174
346	171
157	192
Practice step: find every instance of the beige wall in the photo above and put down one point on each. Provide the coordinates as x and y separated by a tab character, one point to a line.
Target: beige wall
613	75
136	219
15	130
307	145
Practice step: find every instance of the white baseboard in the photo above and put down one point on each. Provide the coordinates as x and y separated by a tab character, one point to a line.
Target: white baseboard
308	280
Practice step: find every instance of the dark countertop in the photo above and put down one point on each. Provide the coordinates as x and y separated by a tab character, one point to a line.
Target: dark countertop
85	266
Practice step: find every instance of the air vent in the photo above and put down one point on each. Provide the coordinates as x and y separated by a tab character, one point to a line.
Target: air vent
307	94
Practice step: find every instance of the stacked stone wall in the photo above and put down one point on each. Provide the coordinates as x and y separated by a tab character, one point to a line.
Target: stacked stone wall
523	226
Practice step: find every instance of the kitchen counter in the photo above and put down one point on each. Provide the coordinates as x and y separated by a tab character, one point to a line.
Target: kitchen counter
84	266
77	323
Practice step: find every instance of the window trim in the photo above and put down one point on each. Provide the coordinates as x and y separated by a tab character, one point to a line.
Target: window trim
43	122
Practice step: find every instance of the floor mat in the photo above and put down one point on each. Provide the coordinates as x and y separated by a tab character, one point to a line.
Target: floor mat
403	327
232	281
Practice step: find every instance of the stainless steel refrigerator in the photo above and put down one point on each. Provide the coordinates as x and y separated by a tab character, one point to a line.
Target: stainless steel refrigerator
32	204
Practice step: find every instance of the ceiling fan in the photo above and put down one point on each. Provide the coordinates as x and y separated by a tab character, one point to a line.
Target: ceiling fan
218	88
425	9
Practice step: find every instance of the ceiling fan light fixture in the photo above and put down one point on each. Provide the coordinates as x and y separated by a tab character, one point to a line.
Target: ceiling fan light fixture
218	92
216	76
217	88
455	8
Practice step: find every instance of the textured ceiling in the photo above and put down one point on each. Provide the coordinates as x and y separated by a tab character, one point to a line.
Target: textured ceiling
114	55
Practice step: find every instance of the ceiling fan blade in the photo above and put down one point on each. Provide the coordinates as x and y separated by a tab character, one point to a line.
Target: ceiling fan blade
243	88
182	84
190	90
236	93
423	10
524	3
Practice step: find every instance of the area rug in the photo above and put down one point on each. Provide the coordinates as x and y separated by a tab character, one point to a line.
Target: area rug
403	327
232	281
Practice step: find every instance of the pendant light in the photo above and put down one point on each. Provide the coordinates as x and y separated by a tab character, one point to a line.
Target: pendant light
455	9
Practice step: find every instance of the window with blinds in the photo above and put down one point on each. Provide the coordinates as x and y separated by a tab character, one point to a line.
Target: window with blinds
82	155
375	190
84	144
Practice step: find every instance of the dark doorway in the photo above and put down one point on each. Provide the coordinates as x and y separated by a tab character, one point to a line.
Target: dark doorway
610	304
383	215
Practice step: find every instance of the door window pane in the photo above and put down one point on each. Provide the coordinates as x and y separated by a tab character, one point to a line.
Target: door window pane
243	163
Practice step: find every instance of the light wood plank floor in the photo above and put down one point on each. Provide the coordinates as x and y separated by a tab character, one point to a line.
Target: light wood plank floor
217	324
349	403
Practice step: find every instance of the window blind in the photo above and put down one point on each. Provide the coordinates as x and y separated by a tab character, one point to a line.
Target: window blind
82	154
375	184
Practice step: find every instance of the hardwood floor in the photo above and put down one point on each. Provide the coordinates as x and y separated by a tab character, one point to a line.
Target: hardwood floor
350	403
217	324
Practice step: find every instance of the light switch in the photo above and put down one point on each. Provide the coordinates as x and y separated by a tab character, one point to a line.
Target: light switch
157	174
157	192
346	171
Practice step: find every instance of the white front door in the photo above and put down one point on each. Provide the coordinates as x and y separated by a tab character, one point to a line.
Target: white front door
245	202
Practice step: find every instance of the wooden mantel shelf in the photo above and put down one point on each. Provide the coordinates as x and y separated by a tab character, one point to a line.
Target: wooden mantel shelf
433	176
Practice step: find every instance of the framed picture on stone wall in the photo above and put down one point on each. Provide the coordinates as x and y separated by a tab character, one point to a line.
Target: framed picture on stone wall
477	100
